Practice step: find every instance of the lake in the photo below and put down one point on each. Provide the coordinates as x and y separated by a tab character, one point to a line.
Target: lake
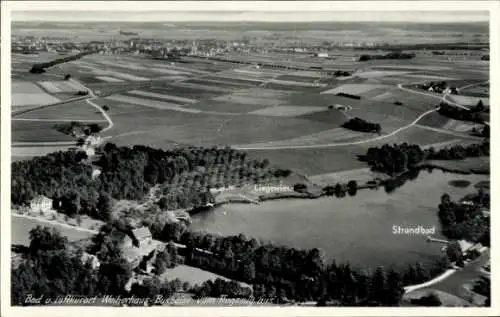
356	229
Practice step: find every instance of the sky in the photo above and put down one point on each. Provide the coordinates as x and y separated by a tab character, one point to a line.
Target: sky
298	11
411	16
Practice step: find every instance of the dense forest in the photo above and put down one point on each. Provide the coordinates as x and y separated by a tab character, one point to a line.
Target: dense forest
53	268
358	124
463	221
290	274
395	159
185	175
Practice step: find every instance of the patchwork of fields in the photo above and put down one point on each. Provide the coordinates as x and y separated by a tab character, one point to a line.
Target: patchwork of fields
206	102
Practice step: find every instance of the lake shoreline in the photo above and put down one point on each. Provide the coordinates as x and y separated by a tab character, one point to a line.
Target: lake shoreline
373	184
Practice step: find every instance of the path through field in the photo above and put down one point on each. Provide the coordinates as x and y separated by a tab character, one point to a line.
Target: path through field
414	123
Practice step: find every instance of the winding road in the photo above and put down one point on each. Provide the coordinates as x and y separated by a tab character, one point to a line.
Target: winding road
443	98
395	132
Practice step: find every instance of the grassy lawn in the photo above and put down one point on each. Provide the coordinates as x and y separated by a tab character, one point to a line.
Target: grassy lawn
191	275
22	226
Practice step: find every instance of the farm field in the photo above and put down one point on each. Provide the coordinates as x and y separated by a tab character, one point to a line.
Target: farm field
361	175
22	226
77	111
468	100
175	89
25	152
150	103
25	93
206	102
468	165
314	161
37	131
227	105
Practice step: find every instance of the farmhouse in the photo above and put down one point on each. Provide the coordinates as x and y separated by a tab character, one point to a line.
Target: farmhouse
137	237
41	204
90	258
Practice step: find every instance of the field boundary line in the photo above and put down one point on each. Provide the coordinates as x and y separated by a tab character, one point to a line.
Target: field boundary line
54	223
316	146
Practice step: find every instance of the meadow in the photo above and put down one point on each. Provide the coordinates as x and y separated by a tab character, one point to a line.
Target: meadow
37	131
21	227
77	111
206	102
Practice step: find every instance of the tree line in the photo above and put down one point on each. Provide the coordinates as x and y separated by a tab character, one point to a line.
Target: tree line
40	67
291	274
53	268
464	221
473	115
391	55
398	158
358	124
75	127
185	176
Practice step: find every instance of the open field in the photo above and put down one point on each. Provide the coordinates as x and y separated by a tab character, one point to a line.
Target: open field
26	152
468	165
361	175
77	111
379	73
192	275
255	97
37	131
183	92
150	103
352	89
25	93
161	96
468	100
60	86
32	99
314	161
226	106
224	83
22	226
286	111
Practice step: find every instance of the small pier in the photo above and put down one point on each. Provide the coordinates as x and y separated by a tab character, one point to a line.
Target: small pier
432	239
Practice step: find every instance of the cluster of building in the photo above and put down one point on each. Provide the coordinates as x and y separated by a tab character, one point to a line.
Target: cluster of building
132	44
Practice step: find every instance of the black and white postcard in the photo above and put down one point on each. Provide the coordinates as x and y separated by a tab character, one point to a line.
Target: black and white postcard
248	158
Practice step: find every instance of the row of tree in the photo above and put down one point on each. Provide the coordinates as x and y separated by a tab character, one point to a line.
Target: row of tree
185	175
54	268
473	115
40	67
290	274
398	158
391	55
76	127
358	124
340	190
